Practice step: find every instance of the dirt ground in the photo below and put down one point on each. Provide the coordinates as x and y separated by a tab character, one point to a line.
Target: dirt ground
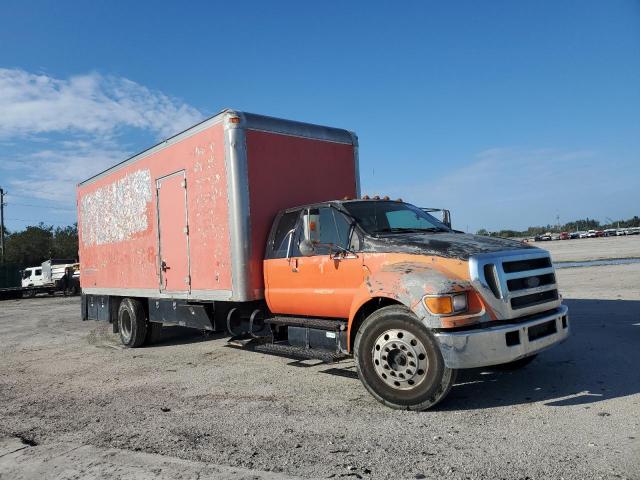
74	404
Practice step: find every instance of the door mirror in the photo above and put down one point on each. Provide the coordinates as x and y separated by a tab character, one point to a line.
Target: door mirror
307	248
446	217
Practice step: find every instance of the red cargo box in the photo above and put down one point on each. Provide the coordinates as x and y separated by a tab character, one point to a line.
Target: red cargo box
189	217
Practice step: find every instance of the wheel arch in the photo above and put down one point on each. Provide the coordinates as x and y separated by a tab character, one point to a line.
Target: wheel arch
363	311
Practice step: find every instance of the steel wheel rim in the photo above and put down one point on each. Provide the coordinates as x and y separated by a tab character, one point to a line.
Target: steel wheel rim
125	325
400	359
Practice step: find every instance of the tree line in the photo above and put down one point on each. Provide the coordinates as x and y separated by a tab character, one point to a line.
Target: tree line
573	226
35	244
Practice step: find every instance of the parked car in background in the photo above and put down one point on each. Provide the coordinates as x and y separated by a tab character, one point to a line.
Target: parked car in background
543	238
574	235
591	234
600	233
564	236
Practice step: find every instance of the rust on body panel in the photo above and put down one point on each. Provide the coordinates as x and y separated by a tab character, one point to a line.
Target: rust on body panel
407	278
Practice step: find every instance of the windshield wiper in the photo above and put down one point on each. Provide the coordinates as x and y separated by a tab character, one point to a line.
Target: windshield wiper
409	230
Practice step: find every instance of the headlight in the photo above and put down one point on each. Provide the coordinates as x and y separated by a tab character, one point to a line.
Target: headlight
447	304
459	302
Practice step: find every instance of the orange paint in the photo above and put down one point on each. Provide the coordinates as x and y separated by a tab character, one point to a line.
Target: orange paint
117	265
313	286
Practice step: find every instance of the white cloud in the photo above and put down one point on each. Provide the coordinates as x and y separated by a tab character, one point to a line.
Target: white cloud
53	174
519	187
57	132
91	103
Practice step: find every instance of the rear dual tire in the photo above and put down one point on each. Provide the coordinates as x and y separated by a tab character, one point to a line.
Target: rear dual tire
399	361
132	323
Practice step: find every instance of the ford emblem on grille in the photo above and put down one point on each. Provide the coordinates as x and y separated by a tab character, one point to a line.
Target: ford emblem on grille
533	282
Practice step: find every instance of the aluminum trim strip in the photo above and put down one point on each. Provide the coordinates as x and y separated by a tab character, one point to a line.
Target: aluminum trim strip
221	295
529	273
356	161
250	120
239	215
530	291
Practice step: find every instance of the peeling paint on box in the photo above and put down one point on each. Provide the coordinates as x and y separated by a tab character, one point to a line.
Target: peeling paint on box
115	212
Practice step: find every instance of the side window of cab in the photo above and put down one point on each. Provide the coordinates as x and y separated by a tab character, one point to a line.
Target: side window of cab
283	238
335	231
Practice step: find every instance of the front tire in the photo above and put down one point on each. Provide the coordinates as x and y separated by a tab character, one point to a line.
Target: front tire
399	361
132	323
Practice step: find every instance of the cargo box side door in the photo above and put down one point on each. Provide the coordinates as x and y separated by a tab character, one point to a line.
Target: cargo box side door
173	233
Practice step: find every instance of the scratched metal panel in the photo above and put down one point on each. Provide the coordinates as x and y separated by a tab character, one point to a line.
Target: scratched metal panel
118	217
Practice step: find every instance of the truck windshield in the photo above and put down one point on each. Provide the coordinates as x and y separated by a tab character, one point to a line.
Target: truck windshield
380	217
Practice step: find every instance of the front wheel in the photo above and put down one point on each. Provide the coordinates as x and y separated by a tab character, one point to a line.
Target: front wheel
399	361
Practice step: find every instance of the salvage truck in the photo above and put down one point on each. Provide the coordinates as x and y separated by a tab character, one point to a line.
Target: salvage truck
254	225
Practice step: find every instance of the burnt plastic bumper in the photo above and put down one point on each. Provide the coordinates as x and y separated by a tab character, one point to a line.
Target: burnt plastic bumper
504	343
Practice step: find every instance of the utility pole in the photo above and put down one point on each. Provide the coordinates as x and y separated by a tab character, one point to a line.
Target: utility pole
1	225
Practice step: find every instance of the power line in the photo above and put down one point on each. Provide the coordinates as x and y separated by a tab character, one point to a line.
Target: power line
41	206
14	219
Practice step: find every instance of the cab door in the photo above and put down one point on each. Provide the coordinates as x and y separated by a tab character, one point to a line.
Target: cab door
322	284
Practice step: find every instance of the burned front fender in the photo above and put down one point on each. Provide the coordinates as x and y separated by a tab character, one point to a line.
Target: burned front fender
409	280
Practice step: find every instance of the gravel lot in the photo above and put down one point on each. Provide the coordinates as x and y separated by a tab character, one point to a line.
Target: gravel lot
583	249
77	405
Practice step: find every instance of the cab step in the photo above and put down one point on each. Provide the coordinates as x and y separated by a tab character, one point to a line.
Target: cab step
285	350
317	323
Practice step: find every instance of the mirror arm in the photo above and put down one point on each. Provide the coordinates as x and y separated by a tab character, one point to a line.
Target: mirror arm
290	234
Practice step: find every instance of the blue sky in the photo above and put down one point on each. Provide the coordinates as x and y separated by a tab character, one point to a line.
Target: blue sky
507	112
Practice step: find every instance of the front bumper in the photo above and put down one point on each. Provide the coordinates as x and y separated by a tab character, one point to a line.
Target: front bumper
504	343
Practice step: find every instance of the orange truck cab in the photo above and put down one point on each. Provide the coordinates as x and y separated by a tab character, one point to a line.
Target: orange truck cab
203	230
419	299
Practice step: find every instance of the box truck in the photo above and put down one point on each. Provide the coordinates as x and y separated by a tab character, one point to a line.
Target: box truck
255	225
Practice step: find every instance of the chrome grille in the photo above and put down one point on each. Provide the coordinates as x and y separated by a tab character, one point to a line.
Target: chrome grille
515	283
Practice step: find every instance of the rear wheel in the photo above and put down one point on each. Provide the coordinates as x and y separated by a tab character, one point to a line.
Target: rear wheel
399	361
132	323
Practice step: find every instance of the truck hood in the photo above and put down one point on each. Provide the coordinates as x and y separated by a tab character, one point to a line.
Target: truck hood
442	244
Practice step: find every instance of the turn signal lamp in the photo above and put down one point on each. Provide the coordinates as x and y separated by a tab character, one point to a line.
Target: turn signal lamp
439	305
446	304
